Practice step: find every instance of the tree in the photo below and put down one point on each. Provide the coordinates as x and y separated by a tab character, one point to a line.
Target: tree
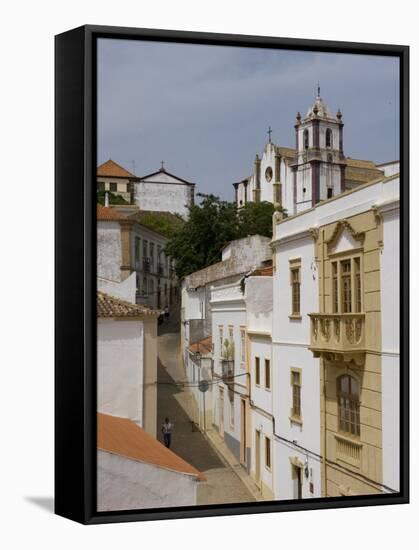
210	226
198	243
255	218
113	198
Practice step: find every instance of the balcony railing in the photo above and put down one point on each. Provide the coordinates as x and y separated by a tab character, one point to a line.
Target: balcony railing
341	334
227	370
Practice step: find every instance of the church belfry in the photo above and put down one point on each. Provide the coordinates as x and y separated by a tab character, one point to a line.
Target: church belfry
319	167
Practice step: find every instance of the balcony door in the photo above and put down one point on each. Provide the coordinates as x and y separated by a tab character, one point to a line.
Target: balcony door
257	457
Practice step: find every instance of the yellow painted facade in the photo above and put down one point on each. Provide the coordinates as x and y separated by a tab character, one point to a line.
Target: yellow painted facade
349	343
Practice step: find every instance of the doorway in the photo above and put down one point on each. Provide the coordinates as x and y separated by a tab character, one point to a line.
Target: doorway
297	482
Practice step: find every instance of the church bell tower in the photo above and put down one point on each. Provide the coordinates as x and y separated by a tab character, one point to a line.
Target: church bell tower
319	167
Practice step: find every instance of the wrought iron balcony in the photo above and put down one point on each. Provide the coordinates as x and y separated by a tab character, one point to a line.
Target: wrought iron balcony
338	336
227	370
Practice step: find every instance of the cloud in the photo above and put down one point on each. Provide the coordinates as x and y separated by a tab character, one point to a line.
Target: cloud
206	109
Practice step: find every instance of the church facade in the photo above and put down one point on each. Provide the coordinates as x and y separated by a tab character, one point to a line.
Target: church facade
314	170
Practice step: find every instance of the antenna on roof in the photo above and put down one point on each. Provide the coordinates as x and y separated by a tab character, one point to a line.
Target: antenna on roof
162	165
318	89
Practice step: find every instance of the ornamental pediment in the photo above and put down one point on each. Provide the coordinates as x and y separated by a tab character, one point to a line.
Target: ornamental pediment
344	238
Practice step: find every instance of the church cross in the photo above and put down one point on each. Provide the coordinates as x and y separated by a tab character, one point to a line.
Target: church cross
269	132
162	165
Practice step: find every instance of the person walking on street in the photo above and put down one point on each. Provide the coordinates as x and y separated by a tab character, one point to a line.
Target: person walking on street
167	429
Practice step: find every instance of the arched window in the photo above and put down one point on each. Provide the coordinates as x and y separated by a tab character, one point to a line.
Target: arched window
305	137
348	405
329	138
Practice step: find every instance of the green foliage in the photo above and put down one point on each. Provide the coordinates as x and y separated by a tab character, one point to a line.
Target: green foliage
165	223
255	218
210	226
113	198
199	241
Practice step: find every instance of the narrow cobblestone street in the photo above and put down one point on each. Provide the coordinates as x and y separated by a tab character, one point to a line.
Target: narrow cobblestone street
223	485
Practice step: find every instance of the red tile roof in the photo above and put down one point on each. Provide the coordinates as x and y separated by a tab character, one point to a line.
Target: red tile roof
203	346
113	170
263	271
123	437
104	213
108	306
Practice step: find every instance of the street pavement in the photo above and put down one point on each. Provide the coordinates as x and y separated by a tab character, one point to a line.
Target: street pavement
223	485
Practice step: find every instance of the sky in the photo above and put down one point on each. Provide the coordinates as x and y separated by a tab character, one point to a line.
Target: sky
205	110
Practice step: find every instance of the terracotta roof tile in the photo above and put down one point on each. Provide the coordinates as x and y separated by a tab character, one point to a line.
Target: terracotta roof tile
123	437
111	169
203	346
104	213
263	271
108	306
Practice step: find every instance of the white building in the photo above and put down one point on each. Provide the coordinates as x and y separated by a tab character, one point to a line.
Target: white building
259	306
127	361
136	471
315	170
231	391
163	191
127	249
335	345
114	178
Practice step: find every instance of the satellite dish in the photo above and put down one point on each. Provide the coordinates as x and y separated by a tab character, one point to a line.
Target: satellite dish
203	385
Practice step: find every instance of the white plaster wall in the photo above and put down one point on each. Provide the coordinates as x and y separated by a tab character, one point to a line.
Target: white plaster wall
264	425
163	194
124	290
391	168
390	360
261	397
120	367
259	303
109	250
228	313
290	349
124	484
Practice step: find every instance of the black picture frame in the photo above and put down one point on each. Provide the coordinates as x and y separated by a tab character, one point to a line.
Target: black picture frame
75	305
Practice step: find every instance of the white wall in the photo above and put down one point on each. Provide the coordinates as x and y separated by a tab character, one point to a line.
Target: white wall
290	341
161	192
125	290
120	367
390	359
259	303
124	484
109	256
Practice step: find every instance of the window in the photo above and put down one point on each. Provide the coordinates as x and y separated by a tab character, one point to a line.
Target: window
348	405
221	338
145	249
100	186
267	374
329	192
257	371
144	286
295	288
242	345
137	248
151	288
305	137
113	187
152	255
296	393
268	452
347	286
230	334
329	138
